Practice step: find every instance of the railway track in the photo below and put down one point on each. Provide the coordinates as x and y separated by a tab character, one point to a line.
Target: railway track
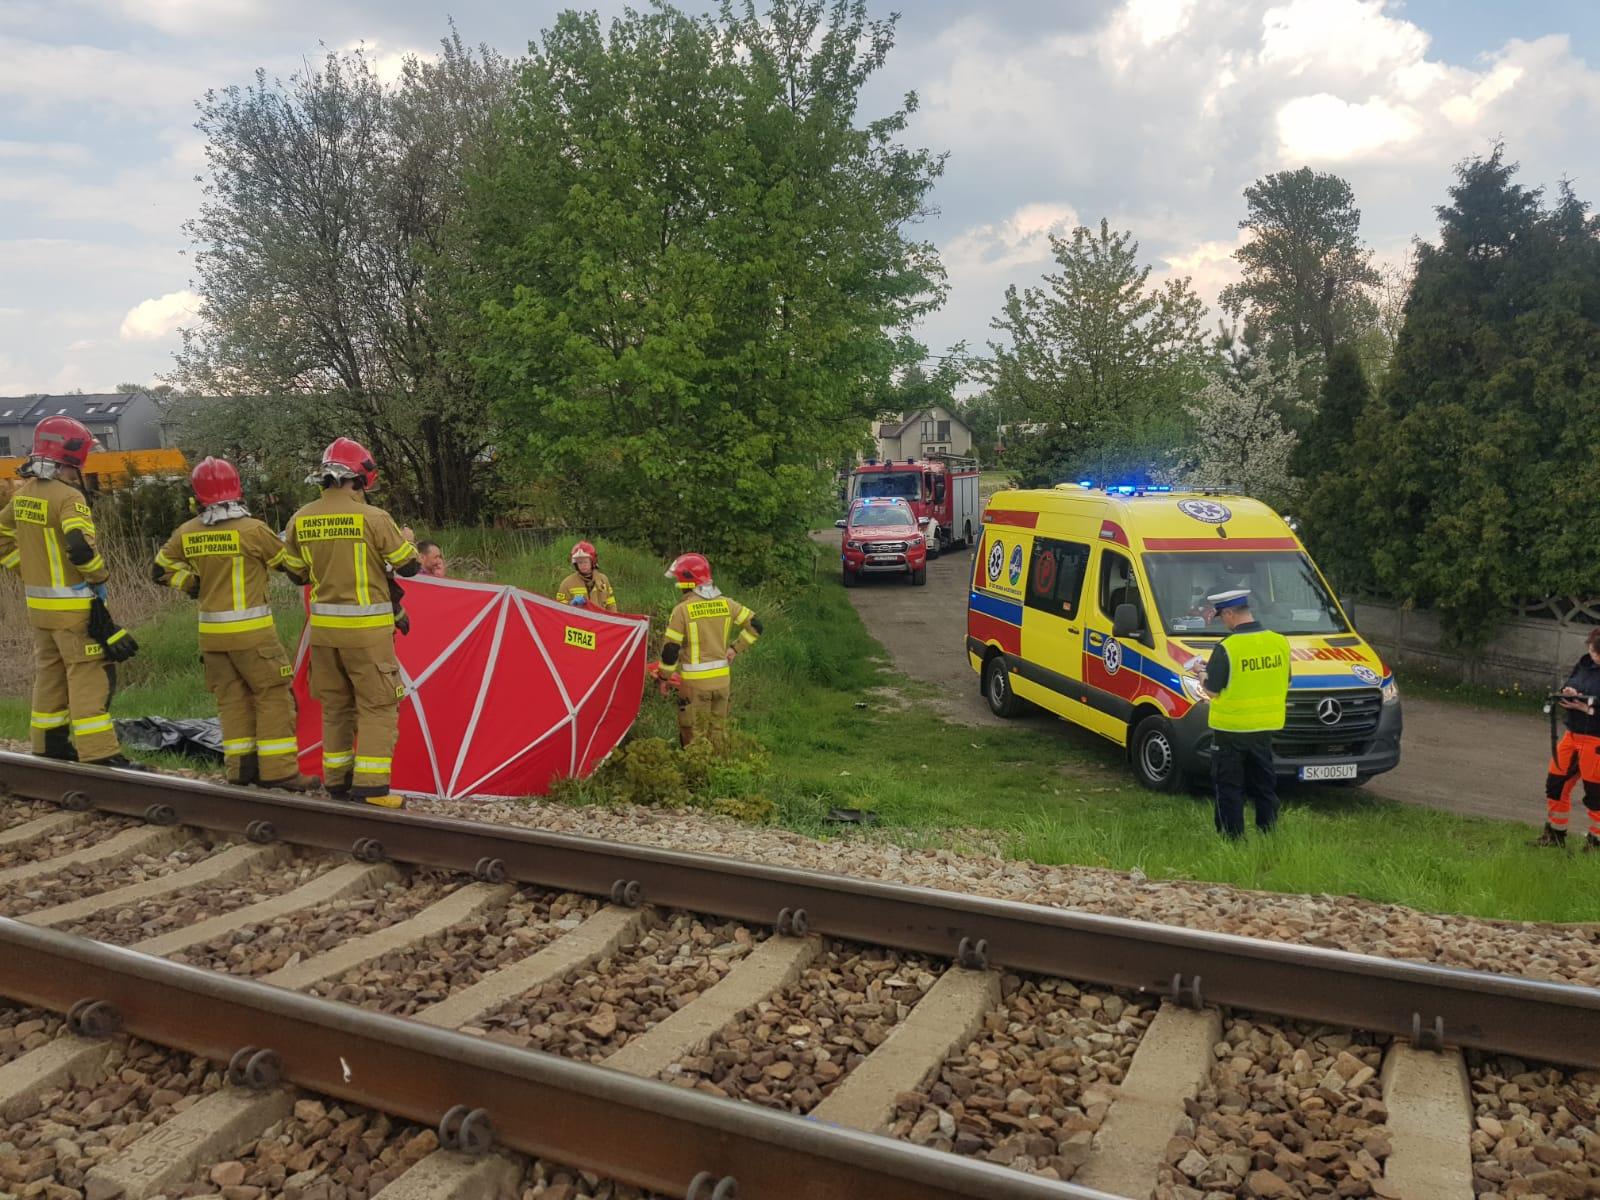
406	964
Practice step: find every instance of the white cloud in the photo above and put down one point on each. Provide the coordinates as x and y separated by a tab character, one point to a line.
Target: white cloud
159	317
1152	21
41	75
185	17
1325	128
1339	35
1209	266
61	152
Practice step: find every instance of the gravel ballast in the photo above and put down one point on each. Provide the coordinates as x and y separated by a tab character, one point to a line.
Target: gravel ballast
25	1029
410	979
73	883
14	812
1030	1091
1570	954
72	1129
1291	1110
796	1046
162	914
1537	1130
595	1012
80	837
257	950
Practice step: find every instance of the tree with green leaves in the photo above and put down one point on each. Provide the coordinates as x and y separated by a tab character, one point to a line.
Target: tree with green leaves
1097	355
696	269
1306	273
1477	462
322	253
1327	460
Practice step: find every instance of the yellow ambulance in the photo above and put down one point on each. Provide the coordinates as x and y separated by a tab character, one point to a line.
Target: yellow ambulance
1091	603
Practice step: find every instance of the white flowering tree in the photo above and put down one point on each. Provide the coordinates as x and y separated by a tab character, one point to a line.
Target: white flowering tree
1240	441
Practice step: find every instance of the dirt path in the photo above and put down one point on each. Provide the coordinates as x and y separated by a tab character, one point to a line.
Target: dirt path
1464	760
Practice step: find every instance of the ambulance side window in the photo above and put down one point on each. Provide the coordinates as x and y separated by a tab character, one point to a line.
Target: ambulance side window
1118	585
1055	578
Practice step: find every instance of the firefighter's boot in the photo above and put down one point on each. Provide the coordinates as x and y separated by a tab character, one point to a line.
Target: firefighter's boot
120	761
249	769
1591	844
291	783
58	745
1551	837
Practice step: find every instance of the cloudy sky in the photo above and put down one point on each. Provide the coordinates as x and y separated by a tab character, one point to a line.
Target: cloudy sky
1154	113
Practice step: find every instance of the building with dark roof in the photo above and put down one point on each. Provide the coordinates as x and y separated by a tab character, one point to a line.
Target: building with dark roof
118	420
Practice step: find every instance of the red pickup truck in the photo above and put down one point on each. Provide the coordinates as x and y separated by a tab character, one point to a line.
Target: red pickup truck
881	538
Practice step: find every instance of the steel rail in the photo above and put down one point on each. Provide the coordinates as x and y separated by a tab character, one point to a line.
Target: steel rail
1550	1022
652	1135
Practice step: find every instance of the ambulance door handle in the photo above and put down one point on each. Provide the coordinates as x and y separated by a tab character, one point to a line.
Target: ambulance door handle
1072	629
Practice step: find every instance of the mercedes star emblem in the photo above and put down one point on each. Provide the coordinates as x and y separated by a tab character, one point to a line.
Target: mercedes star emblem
1329	711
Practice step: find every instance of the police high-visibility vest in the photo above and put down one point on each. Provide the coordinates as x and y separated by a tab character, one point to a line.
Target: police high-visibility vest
1257	695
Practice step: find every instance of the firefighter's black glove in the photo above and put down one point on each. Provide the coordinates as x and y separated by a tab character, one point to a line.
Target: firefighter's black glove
402	622
191	587
116	642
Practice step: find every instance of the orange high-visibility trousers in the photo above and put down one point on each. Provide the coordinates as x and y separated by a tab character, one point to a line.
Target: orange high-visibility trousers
1577	757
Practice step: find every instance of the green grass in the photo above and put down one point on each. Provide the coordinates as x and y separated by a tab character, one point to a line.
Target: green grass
1512	698
844	730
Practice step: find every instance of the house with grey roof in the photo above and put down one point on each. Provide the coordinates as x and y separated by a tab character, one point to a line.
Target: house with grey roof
118	420
932	430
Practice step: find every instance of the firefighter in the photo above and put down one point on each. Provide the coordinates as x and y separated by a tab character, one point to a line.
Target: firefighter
221	558
705	633
1247	679
350	549
1577	755
47	536
587	586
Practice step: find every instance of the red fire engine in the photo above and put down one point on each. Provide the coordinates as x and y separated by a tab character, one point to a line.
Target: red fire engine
942	490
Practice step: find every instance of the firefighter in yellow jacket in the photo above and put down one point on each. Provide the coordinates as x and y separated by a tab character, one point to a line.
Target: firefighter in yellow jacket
350	549
587	586
704	634
47	535
221	557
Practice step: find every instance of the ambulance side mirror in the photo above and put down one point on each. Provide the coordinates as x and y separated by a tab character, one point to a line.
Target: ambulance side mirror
1125	621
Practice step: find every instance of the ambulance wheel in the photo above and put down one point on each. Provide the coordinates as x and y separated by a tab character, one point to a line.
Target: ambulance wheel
1155	756
849	576
919	577
997	691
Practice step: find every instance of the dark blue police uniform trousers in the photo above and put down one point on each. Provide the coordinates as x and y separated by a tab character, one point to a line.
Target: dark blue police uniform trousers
1241	765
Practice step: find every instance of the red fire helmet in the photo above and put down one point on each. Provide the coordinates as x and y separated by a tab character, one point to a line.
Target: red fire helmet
348	459
585	550
62	440
215	481
690	570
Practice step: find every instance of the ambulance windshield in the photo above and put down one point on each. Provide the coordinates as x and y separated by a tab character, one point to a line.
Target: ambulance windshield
1286	594
904	485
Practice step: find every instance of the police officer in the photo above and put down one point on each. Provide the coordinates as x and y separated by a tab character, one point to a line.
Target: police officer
1247	678
221	557
587	586
704	634
47	535
1577	755
350	548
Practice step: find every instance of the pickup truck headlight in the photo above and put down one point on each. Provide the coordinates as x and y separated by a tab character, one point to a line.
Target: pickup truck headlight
852	545
916	540
1391	692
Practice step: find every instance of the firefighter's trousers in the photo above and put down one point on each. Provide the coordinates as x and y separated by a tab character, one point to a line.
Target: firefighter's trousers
359	689
703	710
1577	757
71	690
256	705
